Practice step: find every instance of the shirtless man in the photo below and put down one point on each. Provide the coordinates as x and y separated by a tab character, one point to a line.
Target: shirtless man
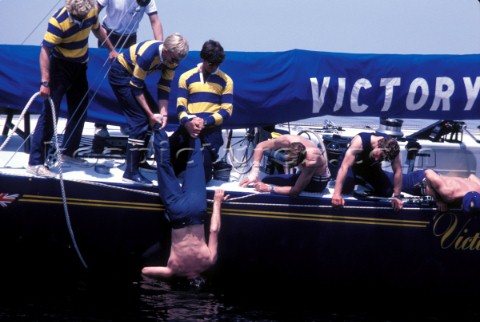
189	254
449	190
186	209
313	174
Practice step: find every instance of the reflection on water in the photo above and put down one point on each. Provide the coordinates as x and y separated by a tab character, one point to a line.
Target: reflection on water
70	299
161	301
142	300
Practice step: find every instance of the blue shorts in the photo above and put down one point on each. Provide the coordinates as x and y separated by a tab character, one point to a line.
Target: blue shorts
413	183
316	184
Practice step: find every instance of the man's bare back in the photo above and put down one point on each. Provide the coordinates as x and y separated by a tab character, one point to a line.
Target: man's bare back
314	159
451	189
189	254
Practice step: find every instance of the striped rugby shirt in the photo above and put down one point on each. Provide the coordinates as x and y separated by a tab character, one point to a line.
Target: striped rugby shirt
210	99
68	38
141	60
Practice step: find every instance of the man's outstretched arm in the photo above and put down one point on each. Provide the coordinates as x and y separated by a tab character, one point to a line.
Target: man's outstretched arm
434	186
157	271
215	223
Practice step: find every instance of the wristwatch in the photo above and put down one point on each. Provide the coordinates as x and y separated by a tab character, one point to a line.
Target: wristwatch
44	83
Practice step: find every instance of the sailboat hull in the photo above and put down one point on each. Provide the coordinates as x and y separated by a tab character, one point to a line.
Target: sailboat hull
264	239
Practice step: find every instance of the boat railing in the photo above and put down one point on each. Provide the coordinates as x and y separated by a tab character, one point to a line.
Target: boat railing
364	192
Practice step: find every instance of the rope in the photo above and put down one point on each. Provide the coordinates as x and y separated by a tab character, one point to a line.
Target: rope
57	152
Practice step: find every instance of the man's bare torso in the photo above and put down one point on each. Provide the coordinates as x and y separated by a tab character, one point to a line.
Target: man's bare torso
454	188
189	254
314	158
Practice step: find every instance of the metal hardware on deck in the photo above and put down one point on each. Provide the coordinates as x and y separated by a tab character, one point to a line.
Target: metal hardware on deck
441	131
10	126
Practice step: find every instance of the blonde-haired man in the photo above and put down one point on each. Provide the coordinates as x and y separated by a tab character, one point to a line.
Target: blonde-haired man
127	79
121	22
63	67
310	158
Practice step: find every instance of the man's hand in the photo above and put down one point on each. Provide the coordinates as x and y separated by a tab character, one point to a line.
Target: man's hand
262	187
195	126
397	204
220	196
246	181
113	54
442	206
44	91
252	176
337	201
157	119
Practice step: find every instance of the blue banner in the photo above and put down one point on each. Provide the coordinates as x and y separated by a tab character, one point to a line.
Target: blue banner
277	87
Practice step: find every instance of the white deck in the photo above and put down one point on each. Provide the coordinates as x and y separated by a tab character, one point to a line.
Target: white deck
458	159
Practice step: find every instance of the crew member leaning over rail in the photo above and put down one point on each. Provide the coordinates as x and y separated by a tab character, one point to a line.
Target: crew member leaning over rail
362	164
447	191
127	79
312	163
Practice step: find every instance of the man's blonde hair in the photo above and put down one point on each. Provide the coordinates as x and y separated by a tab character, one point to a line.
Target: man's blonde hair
295	153
176	44
80	7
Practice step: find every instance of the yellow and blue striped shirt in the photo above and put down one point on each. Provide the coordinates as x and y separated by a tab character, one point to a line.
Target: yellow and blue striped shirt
141	60
68	38
210	99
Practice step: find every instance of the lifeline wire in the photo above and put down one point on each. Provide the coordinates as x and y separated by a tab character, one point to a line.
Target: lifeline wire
106	73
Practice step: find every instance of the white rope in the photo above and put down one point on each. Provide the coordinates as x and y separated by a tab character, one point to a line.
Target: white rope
20	118
57	153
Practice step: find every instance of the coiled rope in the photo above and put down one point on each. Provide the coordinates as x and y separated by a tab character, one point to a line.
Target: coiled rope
57	153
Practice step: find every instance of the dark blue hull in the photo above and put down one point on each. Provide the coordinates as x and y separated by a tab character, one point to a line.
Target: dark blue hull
365	245
265	239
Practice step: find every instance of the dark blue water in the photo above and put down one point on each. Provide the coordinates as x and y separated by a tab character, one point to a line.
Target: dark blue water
38	297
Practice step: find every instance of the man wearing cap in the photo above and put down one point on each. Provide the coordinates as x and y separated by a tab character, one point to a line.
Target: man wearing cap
453	191
127	79
63	67
362	160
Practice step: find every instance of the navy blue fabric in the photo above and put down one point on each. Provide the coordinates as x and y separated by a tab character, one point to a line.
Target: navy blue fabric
369	171
187	204
410	181
138	120
66	79
212	141
291	179
471	203
276	87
